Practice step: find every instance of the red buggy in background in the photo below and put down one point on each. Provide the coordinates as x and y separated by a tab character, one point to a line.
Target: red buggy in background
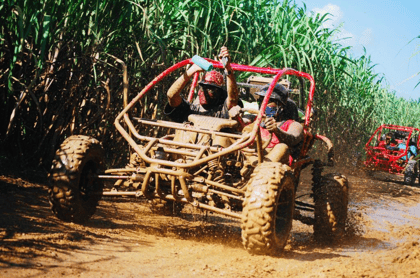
396	155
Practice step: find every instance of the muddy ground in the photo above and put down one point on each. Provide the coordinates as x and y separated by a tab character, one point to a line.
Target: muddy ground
125	239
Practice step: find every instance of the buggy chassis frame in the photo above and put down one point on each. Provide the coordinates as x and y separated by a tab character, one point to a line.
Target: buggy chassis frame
379	158
178	169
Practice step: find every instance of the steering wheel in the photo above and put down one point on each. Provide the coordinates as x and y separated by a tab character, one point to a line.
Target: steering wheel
247	128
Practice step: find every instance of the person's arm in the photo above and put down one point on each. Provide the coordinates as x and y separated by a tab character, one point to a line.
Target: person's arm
412	150
291	137
232	88
174	92
391	148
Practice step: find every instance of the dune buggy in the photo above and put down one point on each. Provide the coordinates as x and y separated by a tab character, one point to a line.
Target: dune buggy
213	164
396	156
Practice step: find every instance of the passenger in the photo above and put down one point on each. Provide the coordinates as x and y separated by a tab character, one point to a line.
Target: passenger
413	147
213	100
412	150
389	143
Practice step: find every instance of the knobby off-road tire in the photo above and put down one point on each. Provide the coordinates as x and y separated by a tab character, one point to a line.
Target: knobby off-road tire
166	207
331	202
74	194
268	209
410	173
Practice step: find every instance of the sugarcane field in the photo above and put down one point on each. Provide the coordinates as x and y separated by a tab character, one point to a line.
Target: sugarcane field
202	139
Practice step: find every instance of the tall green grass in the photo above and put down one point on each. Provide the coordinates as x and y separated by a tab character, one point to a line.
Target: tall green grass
61	70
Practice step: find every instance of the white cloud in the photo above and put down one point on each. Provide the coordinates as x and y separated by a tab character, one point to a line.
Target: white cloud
367	37
345	38
334	20
334	17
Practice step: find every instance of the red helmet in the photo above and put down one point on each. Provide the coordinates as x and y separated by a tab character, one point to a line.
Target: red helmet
213	79
213	85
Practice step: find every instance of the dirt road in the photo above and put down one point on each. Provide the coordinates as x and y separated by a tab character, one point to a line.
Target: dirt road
124	239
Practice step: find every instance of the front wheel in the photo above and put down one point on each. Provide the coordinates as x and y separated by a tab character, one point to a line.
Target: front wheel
331	202
74	190
268	209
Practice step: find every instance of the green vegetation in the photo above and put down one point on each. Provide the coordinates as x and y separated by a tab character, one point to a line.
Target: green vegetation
61	65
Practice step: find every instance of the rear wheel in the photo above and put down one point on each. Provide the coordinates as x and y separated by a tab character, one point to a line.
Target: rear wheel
331	201
74	190
268	209
410	173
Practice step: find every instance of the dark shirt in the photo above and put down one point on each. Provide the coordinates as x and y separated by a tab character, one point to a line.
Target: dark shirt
180	113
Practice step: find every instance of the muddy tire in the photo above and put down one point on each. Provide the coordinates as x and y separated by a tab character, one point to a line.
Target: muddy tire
73	193
331	202
268	209
410	173
166	207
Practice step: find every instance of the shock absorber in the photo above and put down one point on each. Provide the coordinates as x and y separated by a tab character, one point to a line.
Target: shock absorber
216	172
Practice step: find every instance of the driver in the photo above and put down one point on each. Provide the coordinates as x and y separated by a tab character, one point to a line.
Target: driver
213	100
282	121
282	117
280	104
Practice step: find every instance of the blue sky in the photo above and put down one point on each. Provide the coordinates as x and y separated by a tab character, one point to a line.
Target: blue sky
384	28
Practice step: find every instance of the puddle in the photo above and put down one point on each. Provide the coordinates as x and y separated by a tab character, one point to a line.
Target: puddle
415	211
396	214
383	216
